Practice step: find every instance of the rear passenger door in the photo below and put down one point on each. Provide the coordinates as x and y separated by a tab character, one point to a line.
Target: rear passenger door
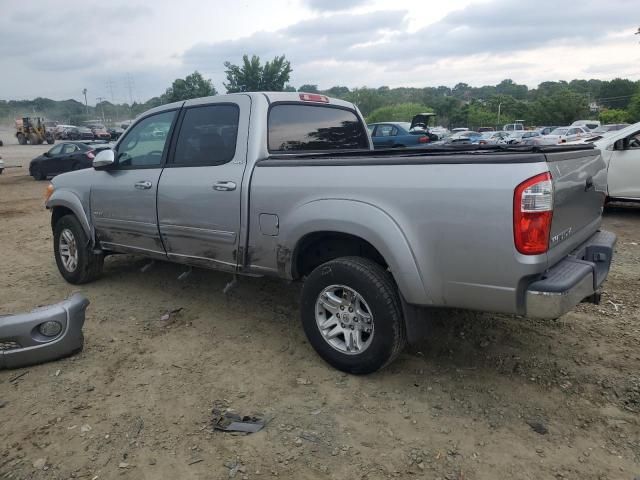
384	136
199	192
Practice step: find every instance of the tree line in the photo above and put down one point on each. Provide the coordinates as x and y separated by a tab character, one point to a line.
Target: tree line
550	103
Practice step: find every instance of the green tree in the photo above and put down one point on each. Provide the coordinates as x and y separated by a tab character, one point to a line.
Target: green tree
192	86
366	99
617	93
560	108
308	88
252	76
402	112
613	116
634	108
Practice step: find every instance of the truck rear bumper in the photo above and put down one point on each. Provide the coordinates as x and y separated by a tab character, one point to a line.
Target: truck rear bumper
573	279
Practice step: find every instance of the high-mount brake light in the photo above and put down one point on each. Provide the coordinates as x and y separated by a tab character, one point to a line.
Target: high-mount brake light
532	214
313	97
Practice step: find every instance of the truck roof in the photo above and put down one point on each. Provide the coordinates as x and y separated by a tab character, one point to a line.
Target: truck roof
271	97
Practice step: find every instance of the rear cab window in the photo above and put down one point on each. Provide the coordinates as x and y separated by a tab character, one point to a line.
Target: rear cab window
208	136
298	127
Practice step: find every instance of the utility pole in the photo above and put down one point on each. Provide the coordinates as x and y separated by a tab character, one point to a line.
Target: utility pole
129	82
100	100
499	107
86	106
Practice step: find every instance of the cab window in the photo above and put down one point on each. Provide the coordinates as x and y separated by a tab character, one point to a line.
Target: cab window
144	144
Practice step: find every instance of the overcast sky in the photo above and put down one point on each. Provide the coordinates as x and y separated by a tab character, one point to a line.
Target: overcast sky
119	49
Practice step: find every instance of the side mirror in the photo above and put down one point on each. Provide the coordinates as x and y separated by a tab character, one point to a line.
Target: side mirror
104	159
619	145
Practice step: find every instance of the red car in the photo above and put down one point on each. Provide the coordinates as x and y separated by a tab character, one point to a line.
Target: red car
100	132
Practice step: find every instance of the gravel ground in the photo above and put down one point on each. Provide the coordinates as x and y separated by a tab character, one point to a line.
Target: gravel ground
485	397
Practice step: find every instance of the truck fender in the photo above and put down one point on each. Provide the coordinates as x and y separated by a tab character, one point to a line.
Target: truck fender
67	199
361	219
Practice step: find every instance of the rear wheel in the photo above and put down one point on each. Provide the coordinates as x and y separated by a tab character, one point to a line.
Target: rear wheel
75	259
51	141
352	316
22	139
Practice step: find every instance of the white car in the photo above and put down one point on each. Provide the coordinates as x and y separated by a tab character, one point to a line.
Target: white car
590	124
1	166
621	152
565	135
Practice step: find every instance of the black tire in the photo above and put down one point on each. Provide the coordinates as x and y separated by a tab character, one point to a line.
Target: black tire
37	174
51	141
377	288
22	139
89	265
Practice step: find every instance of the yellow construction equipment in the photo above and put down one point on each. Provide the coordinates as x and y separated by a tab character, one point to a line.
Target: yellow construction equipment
33	130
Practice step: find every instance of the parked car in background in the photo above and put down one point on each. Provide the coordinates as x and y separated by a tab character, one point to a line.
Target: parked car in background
565	135
493	138
60	130
1	165
589	124
78	133
611	127
377	238
439	132
396	134
514	127
531	137
466	136
485	129
546	130
100	132
64	157
115	132
621	152
459	129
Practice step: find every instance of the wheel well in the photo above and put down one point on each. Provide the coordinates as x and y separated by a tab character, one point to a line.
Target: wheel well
320	247
57	213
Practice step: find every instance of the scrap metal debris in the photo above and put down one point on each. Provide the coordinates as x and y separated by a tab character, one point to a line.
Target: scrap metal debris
170	313
228	421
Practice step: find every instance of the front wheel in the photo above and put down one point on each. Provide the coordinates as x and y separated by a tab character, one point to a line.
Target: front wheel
75	259
352	316
37	174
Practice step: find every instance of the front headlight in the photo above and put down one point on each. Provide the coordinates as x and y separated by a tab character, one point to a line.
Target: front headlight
48	192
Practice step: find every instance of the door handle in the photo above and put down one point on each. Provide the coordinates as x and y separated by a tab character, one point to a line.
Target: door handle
224	186
143	185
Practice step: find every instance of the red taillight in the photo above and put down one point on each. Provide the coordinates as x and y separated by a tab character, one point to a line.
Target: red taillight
532	214
313	97
90	155
423	140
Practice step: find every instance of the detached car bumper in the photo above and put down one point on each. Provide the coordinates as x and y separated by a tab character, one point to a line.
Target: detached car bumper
577	277
44	334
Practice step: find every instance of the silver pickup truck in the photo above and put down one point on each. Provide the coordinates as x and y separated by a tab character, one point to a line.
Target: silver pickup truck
288	185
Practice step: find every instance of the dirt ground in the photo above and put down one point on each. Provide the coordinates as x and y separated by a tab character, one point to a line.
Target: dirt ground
136	403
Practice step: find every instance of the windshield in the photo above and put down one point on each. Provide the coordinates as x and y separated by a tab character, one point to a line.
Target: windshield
559	131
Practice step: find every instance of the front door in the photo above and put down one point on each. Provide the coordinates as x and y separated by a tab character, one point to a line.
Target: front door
624	169
123	198
199	193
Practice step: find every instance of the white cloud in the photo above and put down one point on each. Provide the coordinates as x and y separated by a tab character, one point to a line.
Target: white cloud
86	43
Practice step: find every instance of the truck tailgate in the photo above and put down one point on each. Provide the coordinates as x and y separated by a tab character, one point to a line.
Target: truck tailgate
579	190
